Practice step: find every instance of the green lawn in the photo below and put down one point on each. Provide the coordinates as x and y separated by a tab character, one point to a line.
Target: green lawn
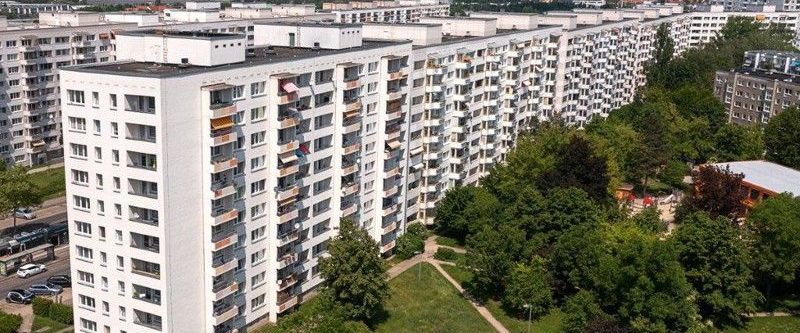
42	322
769	325
50	182
447	241
457	273
430	304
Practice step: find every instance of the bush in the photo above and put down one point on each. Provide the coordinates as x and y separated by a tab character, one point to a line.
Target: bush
418	230
9	323
445	254
41	306
61	313
407	245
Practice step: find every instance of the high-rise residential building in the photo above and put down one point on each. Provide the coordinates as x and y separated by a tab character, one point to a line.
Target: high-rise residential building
755	5
30	56
382	11
206	176
707	24
766	84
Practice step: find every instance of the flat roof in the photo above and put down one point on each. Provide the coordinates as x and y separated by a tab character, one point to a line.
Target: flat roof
450	39
180	34
388	24
310	24
459	18
771	176
750	71
261	55
504	13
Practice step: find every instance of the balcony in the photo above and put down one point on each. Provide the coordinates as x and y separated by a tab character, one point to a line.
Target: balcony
387	247
222	215
224	239
224	288
288	169
286	214
224	313
390	210
287	98
288	237
287	122
219	138
352	83
393	115
287	282
222	188
391	227
352	148
390	191
394	94
287	260
288	192
352	105
349	210
286	301
348	189
222	163
223	265
350	128
287	146
349	169
225	109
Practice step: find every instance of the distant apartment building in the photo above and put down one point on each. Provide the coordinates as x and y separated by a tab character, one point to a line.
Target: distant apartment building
706	24
30	56
764	86
399	11
755	5
31	9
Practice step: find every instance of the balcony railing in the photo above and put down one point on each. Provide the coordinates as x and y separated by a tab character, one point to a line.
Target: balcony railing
287	282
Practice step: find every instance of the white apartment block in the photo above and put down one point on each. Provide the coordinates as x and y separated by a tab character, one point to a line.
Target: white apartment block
215	176
30	56
205	177
400	11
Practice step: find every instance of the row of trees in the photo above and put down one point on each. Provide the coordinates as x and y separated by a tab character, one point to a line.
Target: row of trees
17	190
544	231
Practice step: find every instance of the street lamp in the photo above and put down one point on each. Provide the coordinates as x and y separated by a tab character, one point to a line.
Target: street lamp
419	266
530	308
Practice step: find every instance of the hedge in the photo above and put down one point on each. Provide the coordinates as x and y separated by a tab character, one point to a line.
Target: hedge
41	306
61	313
9	323
445	254
44	307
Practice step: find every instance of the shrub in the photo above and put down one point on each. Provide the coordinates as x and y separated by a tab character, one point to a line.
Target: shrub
9	323
61	313
417	230
41	306
445	254
407	245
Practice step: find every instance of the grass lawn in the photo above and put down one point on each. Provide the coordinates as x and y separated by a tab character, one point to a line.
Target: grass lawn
429	305
457	273
549	323
447	241
42	322
50	182
769	325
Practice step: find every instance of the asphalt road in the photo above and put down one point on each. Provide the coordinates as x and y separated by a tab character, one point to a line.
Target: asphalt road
59	265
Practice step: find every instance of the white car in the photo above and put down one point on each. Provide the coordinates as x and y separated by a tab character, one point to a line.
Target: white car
25	213
30	269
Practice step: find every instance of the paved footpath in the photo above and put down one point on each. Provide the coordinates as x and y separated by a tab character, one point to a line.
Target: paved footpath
427	256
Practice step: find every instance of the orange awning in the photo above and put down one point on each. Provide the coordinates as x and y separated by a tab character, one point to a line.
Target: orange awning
221	123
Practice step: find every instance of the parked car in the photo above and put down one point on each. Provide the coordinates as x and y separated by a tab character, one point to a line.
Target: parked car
30	269
25	213
62	280
19	296
45	289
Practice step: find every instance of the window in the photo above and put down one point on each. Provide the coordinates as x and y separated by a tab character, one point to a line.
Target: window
97	127
257	257
83	228
78	150
75	96
78	124
85	277
88	325
83	252
258	88
81	202
98	153
258	186
258	234
257	162
95	98
115	156
114	129
238	92
257	138
113	100
258	113
257	302
80	177
86	301
257	280
258	210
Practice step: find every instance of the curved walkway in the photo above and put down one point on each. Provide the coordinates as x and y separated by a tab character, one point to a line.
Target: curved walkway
427	256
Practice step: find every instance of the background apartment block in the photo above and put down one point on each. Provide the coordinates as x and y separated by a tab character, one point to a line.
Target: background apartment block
30	124
766	84
398	11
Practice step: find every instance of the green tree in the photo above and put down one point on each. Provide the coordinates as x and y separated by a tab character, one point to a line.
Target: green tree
354	273
649	220
579	311
561	210
578	166
528	290
718	192
736	143
619	142
17	190
575	256
657	70
737	27
319	315
773	227
464	210
782	138
491	253
716	260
